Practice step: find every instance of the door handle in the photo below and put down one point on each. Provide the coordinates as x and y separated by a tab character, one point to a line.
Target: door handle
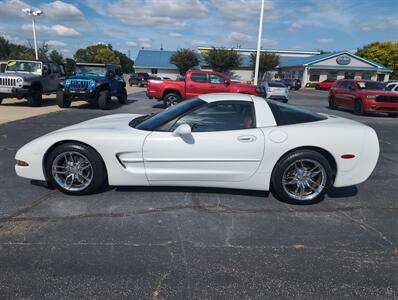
247	138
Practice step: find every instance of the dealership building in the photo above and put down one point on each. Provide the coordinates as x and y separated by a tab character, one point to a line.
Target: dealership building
308	66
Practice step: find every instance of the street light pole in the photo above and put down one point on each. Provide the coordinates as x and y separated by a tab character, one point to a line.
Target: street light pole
260	33
33	14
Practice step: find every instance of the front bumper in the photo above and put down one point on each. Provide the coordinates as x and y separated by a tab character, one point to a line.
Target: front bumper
13	92
80	93
382	107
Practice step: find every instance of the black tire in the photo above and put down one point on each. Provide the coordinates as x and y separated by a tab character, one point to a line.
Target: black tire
99	174
1	100
287	162
123	96
358	107
35	98
317	87
104	100
390	115
63	100
332	102
171	99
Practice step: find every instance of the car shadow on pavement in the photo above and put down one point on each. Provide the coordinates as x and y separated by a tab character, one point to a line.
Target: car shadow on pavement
343	192
24	103
159	105
203	190
94	105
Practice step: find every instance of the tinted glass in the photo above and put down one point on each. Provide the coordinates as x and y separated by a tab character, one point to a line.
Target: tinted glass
370	85
390	87
217	79
286	114
152	122
219	116
198	77
276	84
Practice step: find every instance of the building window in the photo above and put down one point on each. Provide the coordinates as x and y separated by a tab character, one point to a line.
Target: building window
314	76
349	75
366	76
380	77
154	71
332	75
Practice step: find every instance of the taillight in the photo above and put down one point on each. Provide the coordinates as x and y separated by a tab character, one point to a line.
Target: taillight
347	156
22	163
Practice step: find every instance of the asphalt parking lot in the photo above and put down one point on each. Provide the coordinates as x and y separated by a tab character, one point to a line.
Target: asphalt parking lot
192	243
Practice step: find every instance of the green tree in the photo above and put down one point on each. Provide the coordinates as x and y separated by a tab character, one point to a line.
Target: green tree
385	53
56	56
106	56
125	62
184	59
268	62
222	59
5	48
70	65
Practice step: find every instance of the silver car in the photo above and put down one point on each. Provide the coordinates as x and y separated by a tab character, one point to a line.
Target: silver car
275	91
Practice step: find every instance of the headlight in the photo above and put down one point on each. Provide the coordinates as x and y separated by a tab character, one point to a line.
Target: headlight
19	80
67	82
371	96
92	84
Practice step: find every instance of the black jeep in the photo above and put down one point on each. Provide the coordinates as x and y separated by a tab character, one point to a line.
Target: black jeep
93	82
30	80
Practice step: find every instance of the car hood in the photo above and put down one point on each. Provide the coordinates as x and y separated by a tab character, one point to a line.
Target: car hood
111	122
377	93
25	76
87	77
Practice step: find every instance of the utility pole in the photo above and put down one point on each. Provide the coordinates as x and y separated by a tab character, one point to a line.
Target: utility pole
33	14
260	33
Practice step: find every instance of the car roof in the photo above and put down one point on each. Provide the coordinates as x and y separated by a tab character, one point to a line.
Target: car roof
225	96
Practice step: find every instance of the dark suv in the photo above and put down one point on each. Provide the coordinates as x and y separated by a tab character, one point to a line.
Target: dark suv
93	83
140	79
30	79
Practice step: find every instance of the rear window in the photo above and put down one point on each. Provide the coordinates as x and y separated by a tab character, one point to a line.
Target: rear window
286	114
276	84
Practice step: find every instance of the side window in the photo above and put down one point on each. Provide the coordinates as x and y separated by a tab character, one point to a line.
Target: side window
396	88
119	71
220	116
199	77
390	87
47	67
217	79
55	68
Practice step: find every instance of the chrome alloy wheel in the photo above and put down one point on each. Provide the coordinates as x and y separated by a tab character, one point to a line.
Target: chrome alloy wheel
304	179
171	100
72	171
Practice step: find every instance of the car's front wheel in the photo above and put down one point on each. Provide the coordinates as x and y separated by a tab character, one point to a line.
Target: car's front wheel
63	100
75	169
302	177
35	97
358	107
332	102
104	100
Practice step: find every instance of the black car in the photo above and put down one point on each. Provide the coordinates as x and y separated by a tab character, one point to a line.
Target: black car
140	79
292	84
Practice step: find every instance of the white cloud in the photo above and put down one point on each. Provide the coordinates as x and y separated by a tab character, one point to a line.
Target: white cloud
131	44
145	42
157	13
59	30
246	40
389	22
14	39
243	9
326	41
11	9
175	34
294	27
62	11
197	43
53	43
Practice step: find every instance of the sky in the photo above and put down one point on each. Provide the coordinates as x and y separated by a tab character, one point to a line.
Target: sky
130	25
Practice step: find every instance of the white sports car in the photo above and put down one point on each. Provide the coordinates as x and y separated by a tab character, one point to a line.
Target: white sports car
216	140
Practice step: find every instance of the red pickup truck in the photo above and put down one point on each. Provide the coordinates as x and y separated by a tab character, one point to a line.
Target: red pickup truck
363	96
196	83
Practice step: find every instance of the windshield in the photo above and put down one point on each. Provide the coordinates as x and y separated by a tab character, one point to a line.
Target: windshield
24	66
151	122
370	85
91	70
276	84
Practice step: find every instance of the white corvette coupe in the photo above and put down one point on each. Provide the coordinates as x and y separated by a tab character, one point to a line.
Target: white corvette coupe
217	140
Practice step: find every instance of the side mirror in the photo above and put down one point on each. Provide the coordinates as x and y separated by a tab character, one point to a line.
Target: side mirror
111	73
227	82
45	72
182	130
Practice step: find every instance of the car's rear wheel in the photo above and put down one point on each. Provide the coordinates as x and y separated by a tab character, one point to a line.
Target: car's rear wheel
123	96
35	97
63	100
332	102
171	99
1	100
104	100
358	107
302	177
390	115
75	169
